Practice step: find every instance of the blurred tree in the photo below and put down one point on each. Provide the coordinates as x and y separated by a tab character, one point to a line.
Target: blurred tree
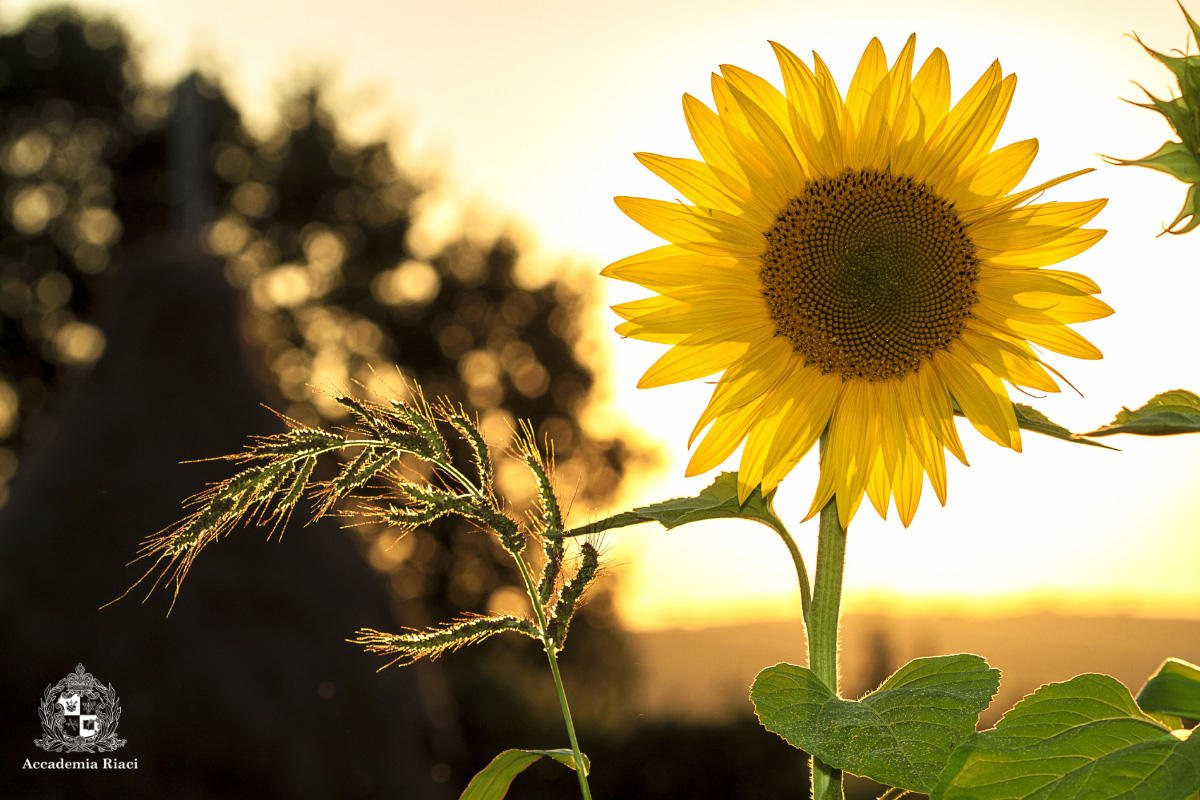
62	126
313	228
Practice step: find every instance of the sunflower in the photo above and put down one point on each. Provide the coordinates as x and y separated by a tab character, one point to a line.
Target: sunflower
858	265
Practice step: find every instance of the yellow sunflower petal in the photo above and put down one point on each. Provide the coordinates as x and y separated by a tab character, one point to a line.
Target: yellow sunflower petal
872	68
747	380
1057	251
1011	201
892	438
852	447
900	74
810	128
1015	366
758	443
674	272
982	399
708	231
683	363
708	134
907	487
760	91
752	330
1032	226
964	134
814	398
931	89
995	175
923	443
937	409
723	438
776	147
704	185
1057	338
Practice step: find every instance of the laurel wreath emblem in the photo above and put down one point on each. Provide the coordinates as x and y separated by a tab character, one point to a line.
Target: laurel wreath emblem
108	714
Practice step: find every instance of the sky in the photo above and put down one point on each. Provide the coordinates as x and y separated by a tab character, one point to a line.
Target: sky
527	113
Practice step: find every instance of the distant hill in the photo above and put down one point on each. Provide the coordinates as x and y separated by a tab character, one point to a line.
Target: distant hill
705	674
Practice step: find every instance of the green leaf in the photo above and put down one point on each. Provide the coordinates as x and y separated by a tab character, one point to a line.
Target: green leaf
492	782
719	500
900	735
1165	414
1030	419
1085	738
1174	690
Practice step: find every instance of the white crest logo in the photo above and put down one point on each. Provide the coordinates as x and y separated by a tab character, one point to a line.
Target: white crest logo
79	715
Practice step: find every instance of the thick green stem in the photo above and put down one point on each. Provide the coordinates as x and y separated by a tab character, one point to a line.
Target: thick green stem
893	794
551	655
823	630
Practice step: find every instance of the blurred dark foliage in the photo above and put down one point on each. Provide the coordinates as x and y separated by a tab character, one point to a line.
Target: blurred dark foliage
669	760
312	230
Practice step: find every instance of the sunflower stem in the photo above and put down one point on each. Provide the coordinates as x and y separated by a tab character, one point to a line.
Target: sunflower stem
823	630
893	794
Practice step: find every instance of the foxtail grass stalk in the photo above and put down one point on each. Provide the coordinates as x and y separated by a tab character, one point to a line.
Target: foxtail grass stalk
551	655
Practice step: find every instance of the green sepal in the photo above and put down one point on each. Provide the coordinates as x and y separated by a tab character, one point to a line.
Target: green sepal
1174	690
1191	209
1176	411
1085	738
900	734
719	500
1178	111
1173	158
1180	159
492	782
1186	68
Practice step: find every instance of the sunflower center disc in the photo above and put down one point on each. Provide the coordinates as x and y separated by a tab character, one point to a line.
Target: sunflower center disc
869	274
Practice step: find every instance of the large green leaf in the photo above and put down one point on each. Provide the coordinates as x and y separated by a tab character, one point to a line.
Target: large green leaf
492	782
1085	738
1177	411
900	735
1174	690
719	500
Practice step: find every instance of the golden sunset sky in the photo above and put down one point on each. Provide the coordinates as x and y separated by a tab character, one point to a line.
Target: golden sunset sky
528	113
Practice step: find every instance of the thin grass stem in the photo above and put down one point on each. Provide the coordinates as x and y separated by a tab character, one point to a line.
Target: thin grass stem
551	654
